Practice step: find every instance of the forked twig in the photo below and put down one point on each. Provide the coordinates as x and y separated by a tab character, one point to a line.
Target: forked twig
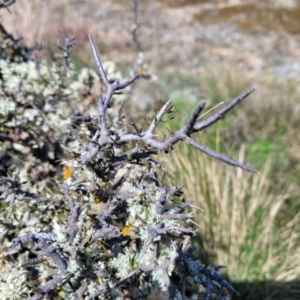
109	136
6	3
135	25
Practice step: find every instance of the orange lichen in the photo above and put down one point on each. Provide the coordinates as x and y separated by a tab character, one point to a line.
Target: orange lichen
142	196
67	172
98	199
107	159
126	230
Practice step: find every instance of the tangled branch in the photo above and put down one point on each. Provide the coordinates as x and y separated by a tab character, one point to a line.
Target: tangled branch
6	3
109	136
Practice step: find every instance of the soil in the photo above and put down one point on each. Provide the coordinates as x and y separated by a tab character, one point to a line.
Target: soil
260	37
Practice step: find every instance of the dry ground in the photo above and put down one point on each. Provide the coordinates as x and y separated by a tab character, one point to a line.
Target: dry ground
260	38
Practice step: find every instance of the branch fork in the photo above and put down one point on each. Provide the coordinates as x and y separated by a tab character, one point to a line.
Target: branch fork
108	137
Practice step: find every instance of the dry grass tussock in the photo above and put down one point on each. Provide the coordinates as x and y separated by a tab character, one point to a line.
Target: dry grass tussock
240	224
40	21
28	19
268	122
224	81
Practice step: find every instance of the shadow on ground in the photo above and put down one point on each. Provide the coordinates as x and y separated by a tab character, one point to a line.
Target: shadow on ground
251	289
267	290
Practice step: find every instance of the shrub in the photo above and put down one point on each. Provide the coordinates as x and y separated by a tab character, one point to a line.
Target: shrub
84	214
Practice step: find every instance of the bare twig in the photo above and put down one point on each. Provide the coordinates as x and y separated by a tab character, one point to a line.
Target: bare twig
216	155
111	137
69	43
6	3
135	25
51	285
51	252
103	105
221	112
76	209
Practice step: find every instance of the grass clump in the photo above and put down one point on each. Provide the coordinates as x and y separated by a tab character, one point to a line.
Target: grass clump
242	224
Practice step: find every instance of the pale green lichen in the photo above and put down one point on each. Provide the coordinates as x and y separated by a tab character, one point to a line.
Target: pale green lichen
124	263
13	284
6	106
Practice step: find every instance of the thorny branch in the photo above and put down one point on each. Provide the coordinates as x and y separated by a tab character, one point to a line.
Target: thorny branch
69	43
111	88
135	25
109	136
76	210
210	278
45	250
51	285
6	3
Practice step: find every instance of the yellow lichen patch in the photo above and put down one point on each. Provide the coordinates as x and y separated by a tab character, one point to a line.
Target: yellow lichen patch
67	172
98	199
106	159
97	195
62	294
142	196
153	192
2	262
126	230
